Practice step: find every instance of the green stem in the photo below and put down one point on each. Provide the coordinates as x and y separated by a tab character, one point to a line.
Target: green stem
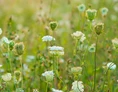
21	71
104	80
46	87
94	87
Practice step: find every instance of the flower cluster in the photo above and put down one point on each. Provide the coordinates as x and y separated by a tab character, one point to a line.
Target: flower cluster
49	75
48	38
77	86
56	50
6	77
78	35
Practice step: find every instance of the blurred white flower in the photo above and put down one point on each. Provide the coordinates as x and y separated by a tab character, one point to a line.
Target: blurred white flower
113	17
116	8
6	77
111	66
47	38
0	65
0	31
56	50
19	90
115	43
92	48
49	75
30	58
81	7
77	86
76	70
104	11
5	40
55	90
35	90
79	36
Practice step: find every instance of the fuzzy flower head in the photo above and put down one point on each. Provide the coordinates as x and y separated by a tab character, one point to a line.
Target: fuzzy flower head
47	38
91	14
19	48
78	35
56	50
6	77
99	27
111	66
76	70
53	25
17	77
77	86
55	90
0	31
115	43
81	7
104	11
49	75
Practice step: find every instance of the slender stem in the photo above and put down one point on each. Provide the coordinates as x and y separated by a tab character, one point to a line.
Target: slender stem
94	88
104	80
46	87
21	70
50	7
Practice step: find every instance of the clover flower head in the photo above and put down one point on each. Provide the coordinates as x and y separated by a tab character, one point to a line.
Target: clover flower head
47	38
77	86
111	66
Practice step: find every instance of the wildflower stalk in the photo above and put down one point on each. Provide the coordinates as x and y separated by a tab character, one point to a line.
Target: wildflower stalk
75	48
104	80
46	87
94	87
21	71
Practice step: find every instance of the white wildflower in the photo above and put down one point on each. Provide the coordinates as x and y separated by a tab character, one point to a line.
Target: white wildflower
79	36
81	7
111	66
5	40
104	11
115	43
77	86
49	75
55	90
6	77
48	38
56	50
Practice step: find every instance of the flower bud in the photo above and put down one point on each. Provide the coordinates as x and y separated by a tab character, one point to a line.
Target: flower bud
19	48
53	25
17	77
99	28
11	45
91	14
